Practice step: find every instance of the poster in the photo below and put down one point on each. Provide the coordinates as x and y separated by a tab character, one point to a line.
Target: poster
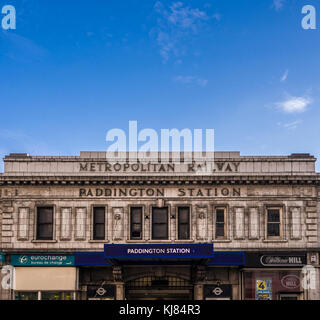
263	289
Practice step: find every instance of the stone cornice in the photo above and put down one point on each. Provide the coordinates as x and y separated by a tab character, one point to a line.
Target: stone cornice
312	180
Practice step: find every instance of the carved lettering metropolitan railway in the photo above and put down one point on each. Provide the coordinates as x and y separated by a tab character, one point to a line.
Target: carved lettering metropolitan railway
105	166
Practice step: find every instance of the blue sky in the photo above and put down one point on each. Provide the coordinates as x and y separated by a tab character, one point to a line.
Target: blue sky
72	70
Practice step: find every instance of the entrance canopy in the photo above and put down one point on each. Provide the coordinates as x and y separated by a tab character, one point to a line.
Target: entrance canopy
150	254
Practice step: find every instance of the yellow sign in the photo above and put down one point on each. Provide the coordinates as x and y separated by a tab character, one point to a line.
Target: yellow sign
261	285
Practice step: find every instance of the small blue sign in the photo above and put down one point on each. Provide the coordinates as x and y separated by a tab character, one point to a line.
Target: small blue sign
167	251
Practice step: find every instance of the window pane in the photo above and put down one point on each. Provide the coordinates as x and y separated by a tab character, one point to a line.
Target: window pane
183	231
99	215
160	215
136	227
220	215
26	295
99	232
136	215
220	230
183	215
45	232
160	231
135	234
274	215
45	215
273	229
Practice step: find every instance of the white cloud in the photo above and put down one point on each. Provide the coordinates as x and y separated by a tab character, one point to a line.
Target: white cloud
278	4
191	80
290	125
176	24
284	76
294	104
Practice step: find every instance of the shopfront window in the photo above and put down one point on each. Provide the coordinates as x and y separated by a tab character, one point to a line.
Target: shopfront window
50	295
183	223
45	223
26	295
98	223
272	285
136	223
160	223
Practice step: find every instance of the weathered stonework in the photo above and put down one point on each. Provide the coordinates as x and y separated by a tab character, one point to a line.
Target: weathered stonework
244	186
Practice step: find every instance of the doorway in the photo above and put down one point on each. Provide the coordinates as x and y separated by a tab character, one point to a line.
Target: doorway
159	288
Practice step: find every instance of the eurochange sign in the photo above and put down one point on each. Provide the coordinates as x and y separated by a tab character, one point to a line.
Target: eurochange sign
166	251
42	260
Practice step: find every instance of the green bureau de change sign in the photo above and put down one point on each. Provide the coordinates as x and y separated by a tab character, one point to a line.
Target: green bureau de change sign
42	260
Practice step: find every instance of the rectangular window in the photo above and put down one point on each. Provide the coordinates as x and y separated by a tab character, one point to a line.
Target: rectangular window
45	223
183	223
26	295
99	223
220	223
160	223
273	222
136	223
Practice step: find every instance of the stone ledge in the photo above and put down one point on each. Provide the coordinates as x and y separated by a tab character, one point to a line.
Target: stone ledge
311	221
311	233
7	221
311	209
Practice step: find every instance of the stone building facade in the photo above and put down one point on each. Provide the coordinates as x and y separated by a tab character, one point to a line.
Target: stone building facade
84	228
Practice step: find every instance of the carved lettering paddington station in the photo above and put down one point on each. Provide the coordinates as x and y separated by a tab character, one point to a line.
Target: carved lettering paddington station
160	192
105	166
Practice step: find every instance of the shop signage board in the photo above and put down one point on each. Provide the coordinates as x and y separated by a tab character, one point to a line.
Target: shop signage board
283	259
167	251
42	260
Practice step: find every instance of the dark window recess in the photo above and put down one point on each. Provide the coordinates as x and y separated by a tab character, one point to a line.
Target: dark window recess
136	223
99	223
220	223
273	223
183	223
160	223
45	223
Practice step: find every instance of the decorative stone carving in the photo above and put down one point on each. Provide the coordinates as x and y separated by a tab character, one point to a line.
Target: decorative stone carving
202	217
118	223
117	274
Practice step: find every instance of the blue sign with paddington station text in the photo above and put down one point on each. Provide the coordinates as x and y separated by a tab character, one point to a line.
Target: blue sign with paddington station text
167	251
